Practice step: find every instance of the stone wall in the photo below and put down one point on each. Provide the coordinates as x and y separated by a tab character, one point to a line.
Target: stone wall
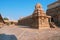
54	13
1	19
27	21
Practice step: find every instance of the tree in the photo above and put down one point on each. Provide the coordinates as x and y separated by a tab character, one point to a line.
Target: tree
6	18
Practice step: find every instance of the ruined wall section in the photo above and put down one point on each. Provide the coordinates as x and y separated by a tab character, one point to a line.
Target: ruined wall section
26	21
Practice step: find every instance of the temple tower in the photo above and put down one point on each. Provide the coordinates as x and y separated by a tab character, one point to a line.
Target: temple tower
54	11
40	18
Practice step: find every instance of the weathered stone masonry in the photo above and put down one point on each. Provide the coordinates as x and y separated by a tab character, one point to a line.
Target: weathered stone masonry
54	11
38	19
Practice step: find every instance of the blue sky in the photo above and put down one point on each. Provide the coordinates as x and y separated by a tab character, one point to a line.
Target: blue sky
14	9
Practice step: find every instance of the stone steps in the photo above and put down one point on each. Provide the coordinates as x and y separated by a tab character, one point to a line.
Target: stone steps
52	24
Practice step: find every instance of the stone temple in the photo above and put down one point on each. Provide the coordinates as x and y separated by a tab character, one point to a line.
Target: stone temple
54	11
38	19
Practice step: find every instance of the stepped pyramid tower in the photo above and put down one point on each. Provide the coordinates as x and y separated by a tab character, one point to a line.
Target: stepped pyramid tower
54	11
38	19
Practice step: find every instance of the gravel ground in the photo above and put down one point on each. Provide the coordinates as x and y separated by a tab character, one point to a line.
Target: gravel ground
18	33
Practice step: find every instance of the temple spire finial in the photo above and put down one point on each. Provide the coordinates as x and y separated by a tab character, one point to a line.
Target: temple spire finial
38	5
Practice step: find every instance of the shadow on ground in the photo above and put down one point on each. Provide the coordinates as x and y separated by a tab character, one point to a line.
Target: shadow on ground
7	37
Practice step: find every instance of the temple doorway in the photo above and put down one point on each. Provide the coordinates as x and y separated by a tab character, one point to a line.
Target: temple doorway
52	20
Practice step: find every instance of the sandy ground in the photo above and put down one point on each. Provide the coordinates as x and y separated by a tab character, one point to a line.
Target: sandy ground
13	32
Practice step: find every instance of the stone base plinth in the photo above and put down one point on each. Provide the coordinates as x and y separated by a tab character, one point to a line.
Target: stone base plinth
44	28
